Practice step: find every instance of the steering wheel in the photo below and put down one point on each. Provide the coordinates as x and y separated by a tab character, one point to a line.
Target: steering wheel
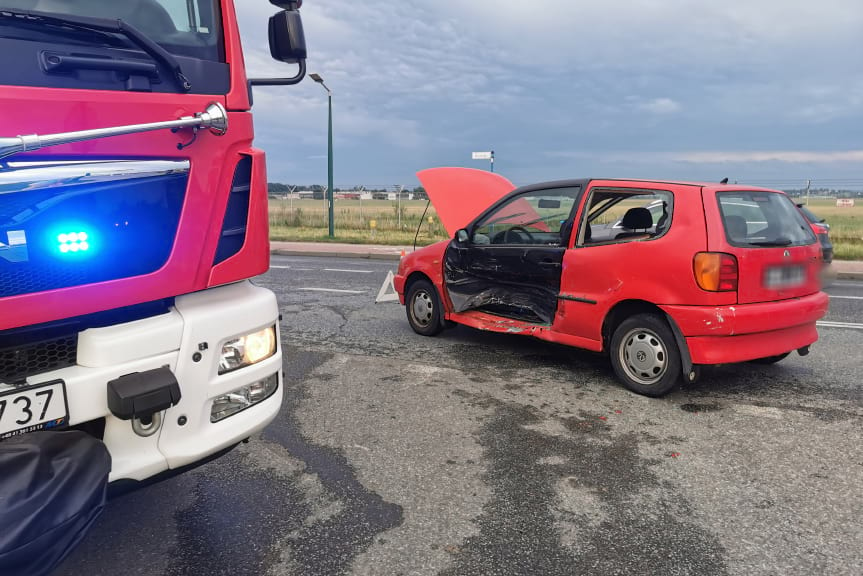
518	230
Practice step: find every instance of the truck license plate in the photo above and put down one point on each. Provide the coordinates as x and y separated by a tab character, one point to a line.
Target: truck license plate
785	276
33	408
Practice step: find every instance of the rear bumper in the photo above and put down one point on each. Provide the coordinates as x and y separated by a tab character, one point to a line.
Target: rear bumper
726	334
188	340
826	248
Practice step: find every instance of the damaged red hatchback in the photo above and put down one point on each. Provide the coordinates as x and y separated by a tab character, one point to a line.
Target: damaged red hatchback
664	276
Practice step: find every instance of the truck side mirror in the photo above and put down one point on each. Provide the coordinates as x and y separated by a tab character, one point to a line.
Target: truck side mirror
287	43
287	39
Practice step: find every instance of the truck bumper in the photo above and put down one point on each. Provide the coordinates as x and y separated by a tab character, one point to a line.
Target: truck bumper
188	340
738	333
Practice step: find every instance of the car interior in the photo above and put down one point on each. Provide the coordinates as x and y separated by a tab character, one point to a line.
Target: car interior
647	215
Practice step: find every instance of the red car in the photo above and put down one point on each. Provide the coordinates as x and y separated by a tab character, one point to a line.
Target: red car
696	273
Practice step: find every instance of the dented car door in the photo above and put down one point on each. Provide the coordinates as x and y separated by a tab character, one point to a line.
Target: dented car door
508	262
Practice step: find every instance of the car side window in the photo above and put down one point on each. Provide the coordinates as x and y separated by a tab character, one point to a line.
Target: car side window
625	215
535	217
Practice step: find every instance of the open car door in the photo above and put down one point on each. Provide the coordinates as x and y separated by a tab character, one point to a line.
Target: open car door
508	261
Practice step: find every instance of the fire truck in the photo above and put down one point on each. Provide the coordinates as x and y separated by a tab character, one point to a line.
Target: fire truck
133	214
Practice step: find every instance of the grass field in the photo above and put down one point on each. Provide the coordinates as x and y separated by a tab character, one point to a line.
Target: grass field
306	220
846	227
366	221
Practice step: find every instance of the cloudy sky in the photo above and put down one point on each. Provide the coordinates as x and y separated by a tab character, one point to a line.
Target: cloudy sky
762	91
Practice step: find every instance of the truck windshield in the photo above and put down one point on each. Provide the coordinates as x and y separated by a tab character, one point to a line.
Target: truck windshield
190	28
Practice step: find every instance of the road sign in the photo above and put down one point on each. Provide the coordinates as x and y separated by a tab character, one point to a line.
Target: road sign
481	155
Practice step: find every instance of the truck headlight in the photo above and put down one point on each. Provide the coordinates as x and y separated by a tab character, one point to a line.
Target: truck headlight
242	398
247	350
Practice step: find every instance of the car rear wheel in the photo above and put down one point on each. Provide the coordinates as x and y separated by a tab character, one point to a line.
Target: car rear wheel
645	356
770	359
423	308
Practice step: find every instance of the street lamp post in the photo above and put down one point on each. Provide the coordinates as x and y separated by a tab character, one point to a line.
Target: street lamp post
399	204
317	78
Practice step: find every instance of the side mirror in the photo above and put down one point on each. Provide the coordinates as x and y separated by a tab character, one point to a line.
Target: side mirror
462	236
287	39
287	43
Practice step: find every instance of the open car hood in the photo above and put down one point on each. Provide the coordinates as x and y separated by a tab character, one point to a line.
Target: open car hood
460	194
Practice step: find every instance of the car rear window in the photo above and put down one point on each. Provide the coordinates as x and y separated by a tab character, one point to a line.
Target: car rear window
763	219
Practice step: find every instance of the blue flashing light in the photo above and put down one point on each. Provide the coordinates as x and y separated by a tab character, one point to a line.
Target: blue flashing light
73	242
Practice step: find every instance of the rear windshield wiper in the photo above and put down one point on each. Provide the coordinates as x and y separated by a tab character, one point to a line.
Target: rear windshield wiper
103	25
777	242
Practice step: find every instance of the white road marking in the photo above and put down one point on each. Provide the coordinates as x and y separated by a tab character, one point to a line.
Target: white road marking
274	266
331	290
345	270
847	297
827	324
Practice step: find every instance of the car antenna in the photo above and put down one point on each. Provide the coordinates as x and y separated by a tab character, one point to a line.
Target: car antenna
422	218
724	180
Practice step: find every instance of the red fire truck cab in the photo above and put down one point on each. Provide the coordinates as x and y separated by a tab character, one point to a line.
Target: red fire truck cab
133	212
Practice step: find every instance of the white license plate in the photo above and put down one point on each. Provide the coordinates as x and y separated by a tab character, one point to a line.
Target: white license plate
33	408
785	276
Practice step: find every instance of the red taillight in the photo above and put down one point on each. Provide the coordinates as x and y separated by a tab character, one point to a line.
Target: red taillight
715	271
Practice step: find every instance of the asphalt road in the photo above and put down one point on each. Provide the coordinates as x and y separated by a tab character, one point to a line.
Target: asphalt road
478	453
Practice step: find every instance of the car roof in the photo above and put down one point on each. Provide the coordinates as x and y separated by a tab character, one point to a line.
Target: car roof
584	182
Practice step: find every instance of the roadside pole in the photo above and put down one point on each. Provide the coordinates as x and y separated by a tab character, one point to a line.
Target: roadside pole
484	156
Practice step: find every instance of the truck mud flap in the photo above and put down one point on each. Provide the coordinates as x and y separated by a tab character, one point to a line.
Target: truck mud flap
52	489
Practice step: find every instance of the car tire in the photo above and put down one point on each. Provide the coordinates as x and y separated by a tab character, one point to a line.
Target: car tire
770	359
645	356
423	308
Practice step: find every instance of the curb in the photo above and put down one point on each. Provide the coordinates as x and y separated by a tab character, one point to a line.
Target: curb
336	254
848	276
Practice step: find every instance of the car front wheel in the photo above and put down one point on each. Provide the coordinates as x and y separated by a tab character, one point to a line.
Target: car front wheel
645	356
423	308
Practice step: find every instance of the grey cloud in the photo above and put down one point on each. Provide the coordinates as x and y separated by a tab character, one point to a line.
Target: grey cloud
418	83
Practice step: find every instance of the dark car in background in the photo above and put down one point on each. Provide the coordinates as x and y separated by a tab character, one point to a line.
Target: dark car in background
822	230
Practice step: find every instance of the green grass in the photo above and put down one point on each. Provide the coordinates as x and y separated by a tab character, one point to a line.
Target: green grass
307	221
846	226
366	222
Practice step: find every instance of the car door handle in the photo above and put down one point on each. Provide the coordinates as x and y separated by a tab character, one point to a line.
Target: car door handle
549	263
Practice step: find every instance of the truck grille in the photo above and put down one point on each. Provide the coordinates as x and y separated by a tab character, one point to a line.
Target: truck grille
21	361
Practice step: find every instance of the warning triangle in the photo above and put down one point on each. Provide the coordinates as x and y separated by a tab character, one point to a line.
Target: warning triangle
387	293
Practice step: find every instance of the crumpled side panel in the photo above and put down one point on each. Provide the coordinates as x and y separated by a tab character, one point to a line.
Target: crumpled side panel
470	290
52	488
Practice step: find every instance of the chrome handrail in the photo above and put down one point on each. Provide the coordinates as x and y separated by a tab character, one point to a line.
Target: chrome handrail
214	117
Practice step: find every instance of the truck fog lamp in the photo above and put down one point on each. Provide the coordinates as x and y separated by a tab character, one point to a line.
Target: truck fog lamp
248	349
242	398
